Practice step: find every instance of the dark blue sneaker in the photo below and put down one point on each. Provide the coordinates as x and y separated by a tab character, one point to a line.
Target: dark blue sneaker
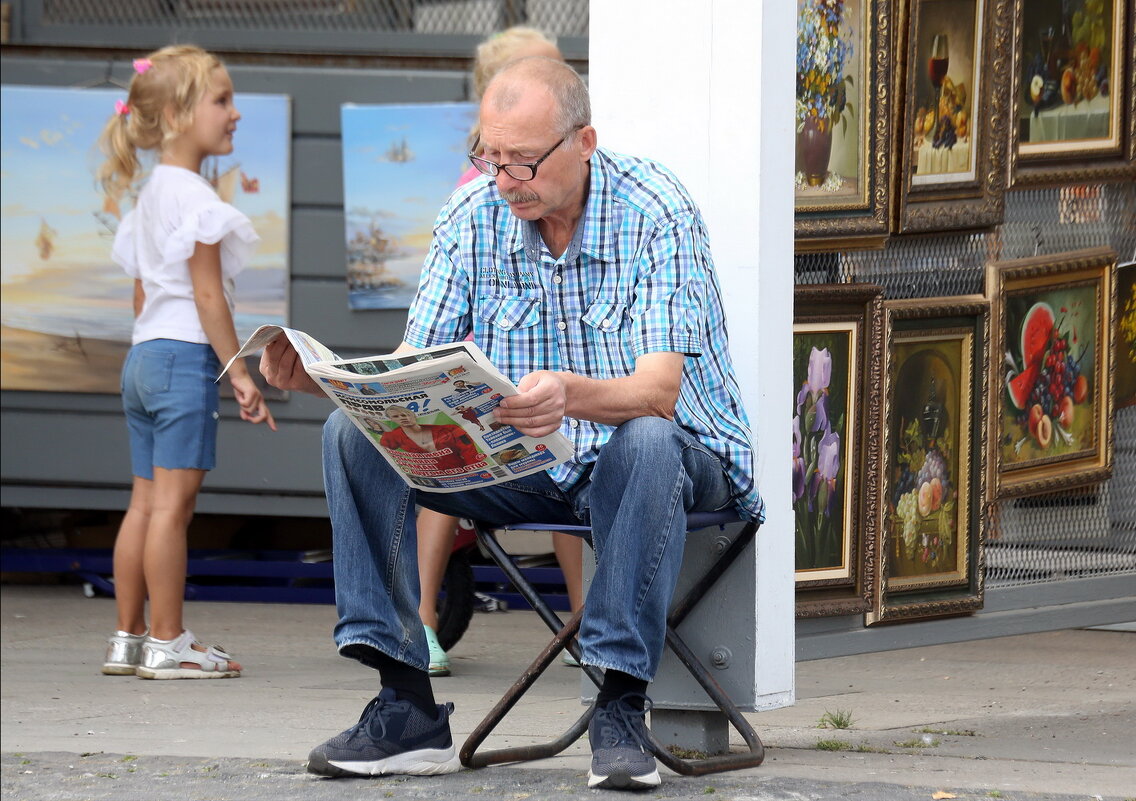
391	736
621	752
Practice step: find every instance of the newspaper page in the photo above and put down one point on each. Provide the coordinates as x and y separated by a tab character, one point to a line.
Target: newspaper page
428	412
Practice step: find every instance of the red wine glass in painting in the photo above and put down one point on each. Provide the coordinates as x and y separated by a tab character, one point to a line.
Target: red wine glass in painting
937	65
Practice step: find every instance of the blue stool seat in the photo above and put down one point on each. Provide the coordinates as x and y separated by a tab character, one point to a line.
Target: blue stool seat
565	637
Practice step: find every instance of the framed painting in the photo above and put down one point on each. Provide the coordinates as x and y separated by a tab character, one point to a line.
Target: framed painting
952	124
1126	335
934	508
837	352
1053	355
1073	97
400	163
67	308
843	124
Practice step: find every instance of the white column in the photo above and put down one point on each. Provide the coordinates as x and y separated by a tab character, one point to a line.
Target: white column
707	89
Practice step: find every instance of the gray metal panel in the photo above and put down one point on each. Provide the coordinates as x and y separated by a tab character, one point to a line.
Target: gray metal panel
1018	610
318	249
320	308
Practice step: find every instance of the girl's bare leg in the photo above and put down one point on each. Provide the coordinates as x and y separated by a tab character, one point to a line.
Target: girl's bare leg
436	533
174	496
570	554
129	546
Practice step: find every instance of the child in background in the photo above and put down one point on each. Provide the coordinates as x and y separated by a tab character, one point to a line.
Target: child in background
436	531
183	246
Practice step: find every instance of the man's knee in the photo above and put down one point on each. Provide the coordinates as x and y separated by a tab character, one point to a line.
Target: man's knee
340	436
644	433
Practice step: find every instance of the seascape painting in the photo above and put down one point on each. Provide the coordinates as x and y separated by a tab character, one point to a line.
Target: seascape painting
400	164
67	308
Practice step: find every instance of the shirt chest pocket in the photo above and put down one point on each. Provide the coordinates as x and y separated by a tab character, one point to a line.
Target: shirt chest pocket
510	313
605	316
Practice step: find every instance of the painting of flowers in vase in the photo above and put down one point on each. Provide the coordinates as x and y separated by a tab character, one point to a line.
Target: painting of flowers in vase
929	430
823	462
832	45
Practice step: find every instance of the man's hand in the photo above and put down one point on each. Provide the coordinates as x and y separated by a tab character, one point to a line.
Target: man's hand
281	367
538	408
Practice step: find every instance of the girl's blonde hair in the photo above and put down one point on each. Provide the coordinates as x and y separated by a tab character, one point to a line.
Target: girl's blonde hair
494	53
166	87
499	49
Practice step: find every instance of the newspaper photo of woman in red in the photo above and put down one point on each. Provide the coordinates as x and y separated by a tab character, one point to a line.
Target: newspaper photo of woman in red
450	445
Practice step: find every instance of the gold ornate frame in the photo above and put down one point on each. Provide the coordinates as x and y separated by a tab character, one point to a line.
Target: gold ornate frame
1059	465
864	221
1111	158
969	202
857	309
961	325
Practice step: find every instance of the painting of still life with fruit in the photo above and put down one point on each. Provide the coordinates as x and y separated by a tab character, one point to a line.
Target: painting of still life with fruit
1069	74
928	489
1048	371
946	58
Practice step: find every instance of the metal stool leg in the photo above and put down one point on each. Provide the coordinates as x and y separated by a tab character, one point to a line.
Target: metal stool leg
565	637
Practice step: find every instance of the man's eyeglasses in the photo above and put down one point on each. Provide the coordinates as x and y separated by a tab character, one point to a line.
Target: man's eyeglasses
519	172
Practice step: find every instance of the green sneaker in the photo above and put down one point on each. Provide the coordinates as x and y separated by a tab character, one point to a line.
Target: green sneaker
439	659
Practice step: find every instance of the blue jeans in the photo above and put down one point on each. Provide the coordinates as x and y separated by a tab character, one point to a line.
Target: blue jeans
171	404
647	477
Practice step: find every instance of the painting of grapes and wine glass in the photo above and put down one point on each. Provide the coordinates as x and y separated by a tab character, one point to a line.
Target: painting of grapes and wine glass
1052	370
954	124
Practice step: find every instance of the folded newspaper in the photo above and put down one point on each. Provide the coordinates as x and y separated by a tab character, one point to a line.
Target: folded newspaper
429	412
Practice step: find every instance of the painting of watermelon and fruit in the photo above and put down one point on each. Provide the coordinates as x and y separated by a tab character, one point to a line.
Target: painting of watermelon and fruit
1049	405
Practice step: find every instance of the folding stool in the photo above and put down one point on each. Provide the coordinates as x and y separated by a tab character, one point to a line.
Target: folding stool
565	637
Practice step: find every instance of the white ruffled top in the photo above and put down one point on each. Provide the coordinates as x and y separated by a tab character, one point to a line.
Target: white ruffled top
176	209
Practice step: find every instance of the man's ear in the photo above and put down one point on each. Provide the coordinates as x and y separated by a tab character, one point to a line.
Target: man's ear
586	142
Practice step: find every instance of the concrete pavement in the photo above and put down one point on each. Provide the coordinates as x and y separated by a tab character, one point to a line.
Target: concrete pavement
1040	716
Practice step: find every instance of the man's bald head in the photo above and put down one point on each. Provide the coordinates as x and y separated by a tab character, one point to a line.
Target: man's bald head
538	73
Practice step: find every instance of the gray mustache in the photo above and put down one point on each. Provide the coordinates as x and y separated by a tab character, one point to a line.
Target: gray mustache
520	197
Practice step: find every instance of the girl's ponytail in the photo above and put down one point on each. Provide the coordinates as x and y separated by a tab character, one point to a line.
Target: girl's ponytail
121	167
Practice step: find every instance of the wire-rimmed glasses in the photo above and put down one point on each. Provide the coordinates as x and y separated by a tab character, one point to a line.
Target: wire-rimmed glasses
518	172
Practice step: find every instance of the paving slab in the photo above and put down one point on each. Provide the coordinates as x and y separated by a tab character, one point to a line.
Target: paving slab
1033	717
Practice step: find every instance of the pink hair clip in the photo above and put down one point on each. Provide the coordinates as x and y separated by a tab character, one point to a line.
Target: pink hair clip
120	108
142	64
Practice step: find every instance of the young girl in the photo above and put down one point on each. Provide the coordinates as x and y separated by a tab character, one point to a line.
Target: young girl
182	245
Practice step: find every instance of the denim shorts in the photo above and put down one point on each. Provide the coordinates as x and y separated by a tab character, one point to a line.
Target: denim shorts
171	404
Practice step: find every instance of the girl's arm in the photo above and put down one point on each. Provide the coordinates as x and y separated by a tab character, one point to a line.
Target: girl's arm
217	322
139	297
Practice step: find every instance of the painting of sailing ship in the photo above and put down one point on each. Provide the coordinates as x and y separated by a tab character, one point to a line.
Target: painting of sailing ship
66	307
400	163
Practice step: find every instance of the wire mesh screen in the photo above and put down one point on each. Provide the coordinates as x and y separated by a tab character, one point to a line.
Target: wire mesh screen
1088	532
559	17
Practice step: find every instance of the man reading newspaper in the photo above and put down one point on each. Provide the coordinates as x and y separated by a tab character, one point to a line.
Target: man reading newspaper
586	277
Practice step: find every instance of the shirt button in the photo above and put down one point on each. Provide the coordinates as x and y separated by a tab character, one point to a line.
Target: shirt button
562	325
575	424
556	279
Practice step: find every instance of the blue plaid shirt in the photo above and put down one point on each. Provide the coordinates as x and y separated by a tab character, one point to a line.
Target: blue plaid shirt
637	278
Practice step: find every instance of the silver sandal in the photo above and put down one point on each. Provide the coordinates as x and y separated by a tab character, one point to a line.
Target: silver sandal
123	654
166	659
